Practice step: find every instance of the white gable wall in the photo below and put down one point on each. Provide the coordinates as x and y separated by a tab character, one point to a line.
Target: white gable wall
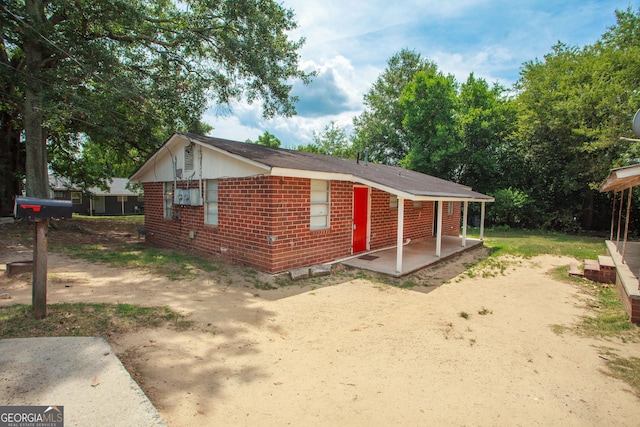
208	163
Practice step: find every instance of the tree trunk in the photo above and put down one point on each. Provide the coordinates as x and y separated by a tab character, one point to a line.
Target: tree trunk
11	164
36	148
587	219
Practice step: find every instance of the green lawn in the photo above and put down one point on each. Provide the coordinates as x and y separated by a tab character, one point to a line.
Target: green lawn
528	243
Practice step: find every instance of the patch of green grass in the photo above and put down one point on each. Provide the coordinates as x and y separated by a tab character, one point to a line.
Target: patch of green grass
530	243
625	369
127	219
173	265
408	284
84	319
265	286
489	267
607	318
465	315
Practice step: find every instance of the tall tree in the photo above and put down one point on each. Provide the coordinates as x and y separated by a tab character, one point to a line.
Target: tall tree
429	101
573	108
486	121
379	129
125	74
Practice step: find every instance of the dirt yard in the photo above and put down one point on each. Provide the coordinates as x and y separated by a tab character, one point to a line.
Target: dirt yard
357	352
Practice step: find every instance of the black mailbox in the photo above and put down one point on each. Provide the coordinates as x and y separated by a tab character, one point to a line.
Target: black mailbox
34	208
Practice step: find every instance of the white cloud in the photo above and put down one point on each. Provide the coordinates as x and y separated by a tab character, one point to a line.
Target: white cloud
349	43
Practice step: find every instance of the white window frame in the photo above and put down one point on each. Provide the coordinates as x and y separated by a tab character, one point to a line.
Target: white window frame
167	195
211	197
320	204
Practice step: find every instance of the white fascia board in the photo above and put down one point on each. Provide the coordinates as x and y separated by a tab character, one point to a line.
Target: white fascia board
627	171
299	173
335	176
452	198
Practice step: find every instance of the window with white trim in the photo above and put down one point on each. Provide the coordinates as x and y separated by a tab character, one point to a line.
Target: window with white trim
319	204
211	202
168	200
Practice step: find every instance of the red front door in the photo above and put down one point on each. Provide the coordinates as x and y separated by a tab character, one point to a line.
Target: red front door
360	218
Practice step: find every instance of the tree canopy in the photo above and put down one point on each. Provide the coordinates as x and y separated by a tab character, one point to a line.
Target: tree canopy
541	148
122	75
267	139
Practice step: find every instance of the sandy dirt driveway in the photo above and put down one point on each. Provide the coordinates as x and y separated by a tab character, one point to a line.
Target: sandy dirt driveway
361	353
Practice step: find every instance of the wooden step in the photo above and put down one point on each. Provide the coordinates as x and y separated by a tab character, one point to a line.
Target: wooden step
574	270
591	265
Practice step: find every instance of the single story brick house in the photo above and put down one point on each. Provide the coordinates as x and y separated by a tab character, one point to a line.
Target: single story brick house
278	209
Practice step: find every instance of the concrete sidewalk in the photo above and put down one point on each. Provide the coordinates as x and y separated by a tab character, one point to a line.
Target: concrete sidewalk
82	374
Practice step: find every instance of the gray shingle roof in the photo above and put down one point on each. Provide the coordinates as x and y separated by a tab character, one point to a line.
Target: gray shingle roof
404	180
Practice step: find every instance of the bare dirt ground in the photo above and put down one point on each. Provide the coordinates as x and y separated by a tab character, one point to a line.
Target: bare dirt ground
347	351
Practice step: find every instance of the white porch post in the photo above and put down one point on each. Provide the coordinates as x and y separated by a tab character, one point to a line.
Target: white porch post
439	234
464	224
626	225
613	214
619	219
482	221
399	239
122	203
91	205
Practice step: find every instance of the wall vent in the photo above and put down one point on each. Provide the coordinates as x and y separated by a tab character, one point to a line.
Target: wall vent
188	157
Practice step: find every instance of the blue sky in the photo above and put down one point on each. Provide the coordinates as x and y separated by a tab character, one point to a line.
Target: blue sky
348	43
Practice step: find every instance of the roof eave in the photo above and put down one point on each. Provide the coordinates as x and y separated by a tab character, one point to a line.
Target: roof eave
300	173
621	178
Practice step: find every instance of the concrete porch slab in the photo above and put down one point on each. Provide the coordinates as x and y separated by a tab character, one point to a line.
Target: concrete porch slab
415	256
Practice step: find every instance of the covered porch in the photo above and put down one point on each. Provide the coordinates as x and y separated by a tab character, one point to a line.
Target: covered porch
415	255
625	254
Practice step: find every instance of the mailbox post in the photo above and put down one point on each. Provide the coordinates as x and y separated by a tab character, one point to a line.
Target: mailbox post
40	211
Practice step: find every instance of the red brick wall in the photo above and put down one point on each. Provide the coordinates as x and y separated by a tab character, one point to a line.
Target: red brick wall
264	222
635	309
175	233
418	221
